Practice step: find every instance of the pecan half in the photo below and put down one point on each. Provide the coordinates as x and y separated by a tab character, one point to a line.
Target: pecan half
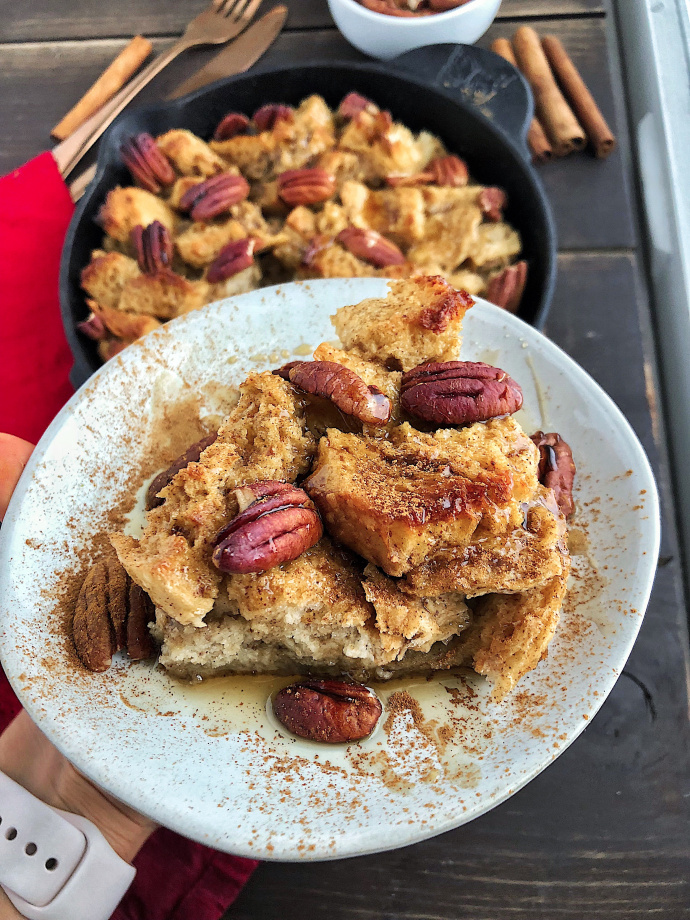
284	371
93	327
388	8
491	202
459	392
111	613
333	711
94	637
352	104
556	468
233	124
370	246
233	258
275	528
153	246
343	387
506	288
266	117
449	171
191	455
305	186
440	6
316	245
214	196
141	612
147	163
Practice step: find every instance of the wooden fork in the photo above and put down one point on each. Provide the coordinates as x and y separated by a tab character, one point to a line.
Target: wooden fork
218	23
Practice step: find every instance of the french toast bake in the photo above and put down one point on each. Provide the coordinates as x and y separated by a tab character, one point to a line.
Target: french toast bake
290	193
332	528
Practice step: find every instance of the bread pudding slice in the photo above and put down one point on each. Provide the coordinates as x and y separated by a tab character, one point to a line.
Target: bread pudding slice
264	437
508	636
413	496
420	320
397	213
126	208
433	548
315	613
525	557
106	275
290	143
511	632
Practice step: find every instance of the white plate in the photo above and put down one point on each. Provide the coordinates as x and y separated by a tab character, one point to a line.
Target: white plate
222	773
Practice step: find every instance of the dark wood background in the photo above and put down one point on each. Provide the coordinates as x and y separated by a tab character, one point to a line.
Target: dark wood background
605	831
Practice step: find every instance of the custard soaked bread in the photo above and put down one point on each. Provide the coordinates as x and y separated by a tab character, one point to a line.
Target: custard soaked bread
264	437
319	612
334	528
419	321
414	496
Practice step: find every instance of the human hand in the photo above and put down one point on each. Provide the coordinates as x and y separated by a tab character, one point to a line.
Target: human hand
27	756
14	455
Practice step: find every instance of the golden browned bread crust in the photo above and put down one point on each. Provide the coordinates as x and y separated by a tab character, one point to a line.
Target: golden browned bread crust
290	144
123	325
397	213
126	208
106	275
420	320
164	295
512	631
385	147
412	496
412	623
508	562
190	155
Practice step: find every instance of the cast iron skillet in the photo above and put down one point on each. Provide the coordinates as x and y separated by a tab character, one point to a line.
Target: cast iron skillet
472	99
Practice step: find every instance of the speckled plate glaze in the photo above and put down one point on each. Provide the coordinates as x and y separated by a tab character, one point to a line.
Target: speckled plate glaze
210	761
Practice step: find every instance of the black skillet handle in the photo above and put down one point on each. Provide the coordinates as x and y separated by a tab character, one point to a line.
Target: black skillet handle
480	78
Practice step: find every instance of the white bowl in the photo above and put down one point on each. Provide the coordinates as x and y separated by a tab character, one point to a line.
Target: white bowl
385	37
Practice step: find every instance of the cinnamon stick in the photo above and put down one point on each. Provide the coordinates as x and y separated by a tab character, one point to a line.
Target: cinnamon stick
600	135
125	65
562	128
537	140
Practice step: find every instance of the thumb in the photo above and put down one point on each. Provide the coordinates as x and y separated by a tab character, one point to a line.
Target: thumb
14	454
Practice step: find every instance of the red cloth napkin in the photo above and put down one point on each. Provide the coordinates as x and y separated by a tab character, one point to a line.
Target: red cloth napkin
176	878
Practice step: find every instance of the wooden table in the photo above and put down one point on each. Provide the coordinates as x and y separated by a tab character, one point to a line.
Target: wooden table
605	831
